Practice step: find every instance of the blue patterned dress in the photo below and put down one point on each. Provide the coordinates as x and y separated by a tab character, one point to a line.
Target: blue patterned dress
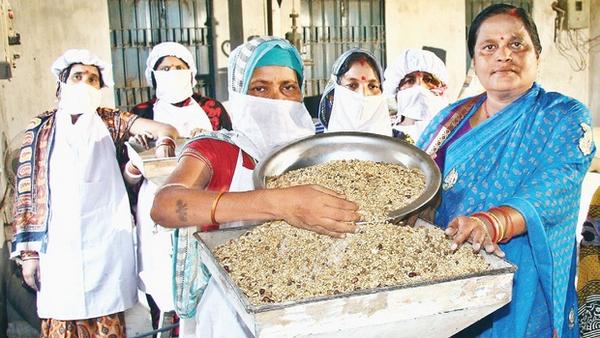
532	156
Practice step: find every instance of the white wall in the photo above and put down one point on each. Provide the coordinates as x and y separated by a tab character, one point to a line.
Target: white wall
555	74
435	23
47	29
440	23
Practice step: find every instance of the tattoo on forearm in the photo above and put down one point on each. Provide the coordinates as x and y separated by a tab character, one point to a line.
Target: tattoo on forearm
181	210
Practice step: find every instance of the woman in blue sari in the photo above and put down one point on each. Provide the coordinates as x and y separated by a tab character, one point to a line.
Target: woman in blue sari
513	159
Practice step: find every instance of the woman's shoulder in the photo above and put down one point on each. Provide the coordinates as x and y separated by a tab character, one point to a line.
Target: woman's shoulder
558	102
212	141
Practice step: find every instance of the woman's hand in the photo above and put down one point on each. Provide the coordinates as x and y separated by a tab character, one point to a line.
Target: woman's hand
470	229
315	208
31	273
142	139
163	151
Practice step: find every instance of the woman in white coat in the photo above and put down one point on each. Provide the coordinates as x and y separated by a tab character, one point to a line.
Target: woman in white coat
73	227
170	70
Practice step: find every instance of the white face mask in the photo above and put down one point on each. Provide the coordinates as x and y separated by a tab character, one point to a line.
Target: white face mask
352	111
173	86
265	124
419	104
79	98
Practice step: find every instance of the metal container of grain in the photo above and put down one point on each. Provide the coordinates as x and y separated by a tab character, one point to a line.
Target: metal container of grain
326	147
436	308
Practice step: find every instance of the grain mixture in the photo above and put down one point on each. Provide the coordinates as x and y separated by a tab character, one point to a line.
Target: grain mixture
276	262
377	187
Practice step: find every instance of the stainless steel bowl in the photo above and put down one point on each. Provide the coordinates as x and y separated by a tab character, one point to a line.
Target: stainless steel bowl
352	146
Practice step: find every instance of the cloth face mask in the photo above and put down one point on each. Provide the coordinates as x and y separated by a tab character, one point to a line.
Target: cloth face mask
173	86
265	124
419	104
352	111
79	98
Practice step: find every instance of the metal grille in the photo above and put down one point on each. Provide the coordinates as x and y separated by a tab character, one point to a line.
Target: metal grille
330	27
138	25
473	7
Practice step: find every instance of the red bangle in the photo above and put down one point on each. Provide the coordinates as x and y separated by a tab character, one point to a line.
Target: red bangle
510	232
29	254
132	170
165	141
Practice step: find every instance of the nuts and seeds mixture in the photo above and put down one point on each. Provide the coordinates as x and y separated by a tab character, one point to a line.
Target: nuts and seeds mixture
276	262
377	187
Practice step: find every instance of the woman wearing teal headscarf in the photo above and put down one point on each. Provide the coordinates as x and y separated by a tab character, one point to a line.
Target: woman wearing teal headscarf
212	183
513	159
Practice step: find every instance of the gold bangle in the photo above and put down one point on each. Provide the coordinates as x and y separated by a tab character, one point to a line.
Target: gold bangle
485	227
213	209
501	227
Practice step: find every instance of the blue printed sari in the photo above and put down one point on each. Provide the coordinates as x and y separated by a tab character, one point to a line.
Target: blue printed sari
532	156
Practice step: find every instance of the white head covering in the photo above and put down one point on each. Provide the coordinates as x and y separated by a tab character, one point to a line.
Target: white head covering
169	49
85	57
412	60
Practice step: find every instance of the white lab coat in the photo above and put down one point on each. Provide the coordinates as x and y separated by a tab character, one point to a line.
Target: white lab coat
155	244
88	269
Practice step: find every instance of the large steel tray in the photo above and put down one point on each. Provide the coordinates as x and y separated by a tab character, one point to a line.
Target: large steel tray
326	147
436	308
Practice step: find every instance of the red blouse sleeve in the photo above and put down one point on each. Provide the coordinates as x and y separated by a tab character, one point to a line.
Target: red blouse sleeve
221	158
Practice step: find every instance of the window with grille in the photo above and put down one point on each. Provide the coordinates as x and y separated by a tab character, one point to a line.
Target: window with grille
330	27
138	25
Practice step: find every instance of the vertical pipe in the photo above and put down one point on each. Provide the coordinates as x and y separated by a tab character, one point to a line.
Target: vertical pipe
181	27
381	39
236	24
196	42
137	52
124	84
323	46
270	17
211	48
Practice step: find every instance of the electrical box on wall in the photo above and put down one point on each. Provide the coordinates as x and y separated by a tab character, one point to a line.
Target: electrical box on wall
577	13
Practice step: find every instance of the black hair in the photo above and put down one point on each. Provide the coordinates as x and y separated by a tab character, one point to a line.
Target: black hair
158	62
356	57
503	9
64	74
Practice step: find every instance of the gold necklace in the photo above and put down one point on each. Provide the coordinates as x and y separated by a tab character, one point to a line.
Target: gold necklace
485	111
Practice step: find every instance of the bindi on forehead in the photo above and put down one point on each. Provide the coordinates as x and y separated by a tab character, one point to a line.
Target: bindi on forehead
364	78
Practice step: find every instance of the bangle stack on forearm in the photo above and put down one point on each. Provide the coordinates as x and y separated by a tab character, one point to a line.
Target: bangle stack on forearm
500	223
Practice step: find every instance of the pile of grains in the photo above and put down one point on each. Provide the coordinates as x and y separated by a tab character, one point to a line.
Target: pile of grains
377	187
276	262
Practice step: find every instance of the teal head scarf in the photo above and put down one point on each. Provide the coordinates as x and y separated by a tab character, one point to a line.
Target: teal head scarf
259	52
